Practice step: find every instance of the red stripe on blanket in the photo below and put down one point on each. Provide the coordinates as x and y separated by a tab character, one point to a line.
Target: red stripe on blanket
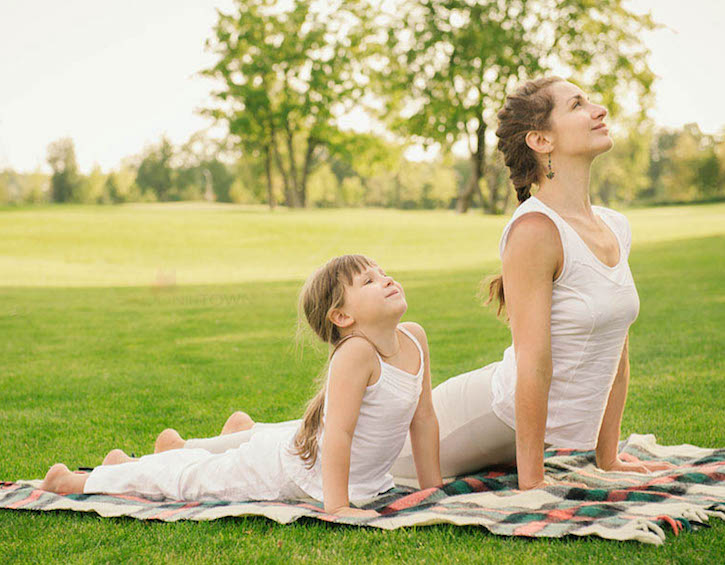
674	524
552	517
531	528
132	498
474	483
561	514
168	513
6	487
410	500
35	495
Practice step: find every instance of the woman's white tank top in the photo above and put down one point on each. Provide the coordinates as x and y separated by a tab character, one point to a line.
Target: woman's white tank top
592	307
386	411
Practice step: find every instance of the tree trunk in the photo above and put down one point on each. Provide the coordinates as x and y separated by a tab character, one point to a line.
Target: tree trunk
477	165
297	194
289	196
311	145
268	173
493	180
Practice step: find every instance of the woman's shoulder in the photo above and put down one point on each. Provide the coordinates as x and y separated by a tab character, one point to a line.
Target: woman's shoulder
610	213
535	229
617	221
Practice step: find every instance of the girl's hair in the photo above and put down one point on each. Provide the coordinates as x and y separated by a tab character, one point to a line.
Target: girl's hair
323	292
527	108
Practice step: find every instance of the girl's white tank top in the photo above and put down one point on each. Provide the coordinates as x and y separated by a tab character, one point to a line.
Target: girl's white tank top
386	411
592	307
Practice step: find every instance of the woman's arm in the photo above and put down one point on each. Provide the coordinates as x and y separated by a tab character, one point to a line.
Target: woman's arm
350	372
608	440
424	425
531	260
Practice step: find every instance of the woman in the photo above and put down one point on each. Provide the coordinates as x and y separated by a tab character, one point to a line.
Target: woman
570	300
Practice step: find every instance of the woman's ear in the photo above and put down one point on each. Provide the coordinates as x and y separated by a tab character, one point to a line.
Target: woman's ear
539	141
340	319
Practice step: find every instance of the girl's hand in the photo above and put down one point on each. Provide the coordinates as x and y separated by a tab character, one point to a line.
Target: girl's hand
349	512
644	467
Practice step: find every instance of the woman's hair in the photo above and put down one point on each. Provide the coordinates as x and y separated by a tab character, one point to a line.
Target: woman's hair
527	108
323	292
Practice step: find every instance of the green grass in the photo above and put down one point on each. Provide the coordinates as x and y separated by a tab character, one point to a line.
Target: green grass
95	355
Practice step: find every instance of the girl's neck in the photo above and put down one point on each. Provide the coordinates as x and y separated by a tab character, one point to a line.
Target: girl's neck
568	191
384	337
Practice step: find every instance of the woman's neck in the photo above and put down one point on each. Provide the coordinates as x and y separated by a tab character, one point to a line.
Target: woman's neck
568	191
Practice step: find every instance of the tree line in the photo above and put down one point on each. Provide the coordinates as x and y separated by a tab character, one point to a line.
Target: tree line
647	165
426	71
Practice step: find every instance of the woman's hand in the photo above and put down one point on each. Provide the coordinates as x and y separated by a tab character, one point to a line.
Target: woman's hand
348	512
549	482
644	467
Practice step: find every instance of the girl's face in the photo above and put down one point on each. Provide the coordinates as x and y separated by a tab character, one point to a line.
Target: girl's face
374	296
576	123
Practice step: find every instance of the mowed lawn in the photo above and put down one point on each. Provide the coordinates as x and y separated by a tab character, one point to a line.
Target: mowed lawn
118	322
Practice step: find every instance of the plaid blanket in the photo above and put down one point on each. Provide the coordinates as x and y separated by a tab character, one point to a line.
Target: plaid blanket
621	506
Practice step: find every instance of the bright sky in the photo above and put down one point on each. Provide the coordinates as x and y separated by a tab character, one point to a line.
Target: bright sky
116	76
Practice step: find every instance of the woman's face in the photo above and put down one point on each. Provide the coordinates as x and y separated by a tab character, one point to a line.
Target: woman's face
576	123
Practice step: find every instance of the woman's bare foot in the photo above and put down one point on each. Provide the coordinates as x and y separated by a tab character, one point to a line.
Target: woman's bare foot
61	480
168	439
116	457
237	422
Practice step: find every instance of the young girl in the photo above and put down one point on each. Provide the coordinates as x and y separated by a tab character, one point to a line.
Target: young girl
378	389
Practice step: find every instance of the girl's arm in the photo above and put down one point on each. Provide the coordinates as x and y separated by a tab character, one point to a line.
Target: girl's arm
608	440
424	425
351	370
531	259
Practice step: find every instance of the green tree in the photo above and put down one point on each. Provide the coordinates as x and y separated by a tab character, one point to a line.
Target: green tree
445	66
111	191
324	188
621	174
284	76
66	182
720	154
93	186
155	173
685	165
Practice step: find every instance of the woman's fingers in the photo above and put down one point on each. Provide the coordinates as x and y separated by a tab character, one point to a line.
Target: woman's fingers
549	481
658	465
356	513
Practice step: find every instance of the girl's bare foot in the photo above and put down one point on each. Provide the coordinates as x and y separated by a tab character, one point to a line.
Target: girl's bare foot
168	439
61	480
117	456
237	422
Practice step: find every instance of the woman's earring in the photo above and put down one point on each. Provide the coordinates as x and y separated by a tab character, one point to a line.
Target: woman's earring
550	174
